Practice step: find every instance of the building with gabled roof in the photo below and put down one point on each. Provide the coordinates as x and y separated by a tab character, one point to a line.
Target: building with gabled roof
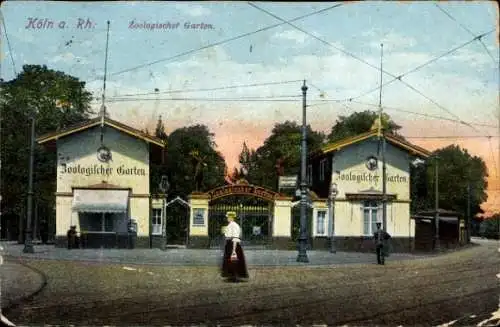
103	184
354	165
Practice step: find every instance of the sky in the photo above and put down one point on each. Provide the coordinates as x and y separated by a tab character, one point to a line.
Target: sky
238	67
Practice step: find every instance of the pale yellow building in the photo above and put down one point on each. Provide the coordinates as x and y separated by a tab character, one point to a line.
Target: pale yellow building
355	166
103	184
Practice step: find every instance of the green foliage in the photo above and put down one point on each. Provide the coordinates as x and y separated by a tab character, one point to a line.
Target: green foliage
358	123
57	100
181	164
490	227
456	169
283	143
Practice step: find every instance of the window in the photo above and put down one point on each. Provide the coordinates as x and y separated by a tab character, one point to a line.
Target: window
309	174
320	223
199	217
370	214
157	222
322	169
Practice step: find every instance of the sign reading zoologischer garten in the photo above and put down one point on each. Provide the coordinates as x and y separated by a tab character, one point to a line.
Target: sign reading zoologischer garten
370	178
242	190
102	170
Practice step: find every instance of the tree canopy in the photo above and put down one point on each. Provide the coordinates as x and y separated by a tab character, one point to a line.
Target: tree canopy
358	123
56	100
457	169
189	148
283	145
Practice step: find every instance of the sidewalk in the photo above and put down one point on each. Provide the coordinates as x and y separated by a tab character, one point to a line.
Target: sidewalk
194	257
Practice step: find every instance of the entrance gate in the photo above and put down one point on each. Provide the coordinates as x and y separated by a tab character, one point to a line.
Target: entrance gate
254	207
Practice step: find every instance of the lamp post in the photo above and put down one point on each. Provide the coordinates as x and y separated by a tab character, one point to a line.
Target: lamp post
164	187
302	256
331	211
28	241
436	204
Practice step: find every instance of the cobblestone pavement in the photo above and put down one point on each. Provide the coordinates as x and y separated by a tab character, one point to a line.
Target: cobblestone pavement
183	257
459	288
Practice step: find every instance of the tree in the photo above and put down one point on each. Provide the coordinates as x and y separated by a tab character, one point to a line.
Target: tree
185	145
160	130
457	169
159	169
490	227
358	123
56	100
283	144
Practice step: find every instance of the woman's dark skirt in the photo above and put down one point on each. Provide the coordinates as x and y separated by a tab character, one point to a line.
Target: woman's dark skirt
230	269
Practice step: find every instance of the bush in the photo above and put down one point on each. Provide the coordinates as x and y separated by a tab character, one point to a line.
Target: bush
490	228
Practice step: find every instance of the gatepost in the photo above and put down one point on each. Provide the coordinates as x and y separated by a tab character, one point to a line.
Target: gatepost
282	224
198	221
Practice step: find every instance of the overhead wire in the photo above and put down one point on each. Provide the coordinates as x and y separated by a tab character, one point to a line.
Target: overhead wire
212	88
241	99
223	41
497	172
363	61
419	67
390	108
468	30
8	44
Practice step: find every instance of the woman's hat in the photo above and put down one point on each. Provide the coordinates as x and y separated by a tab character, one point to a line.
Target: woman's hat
231	214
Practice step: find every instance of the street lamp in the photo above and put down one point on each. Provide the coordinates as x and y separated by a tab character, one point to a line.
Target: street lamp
331	210
28	241
164	187
302	256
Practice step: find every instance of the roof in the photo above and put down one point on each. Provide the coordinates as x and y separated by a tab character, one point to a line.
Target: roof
391	138
96	122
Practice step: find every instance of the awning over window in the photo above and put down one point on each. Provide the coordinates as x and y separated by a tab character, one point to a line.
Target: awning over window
100	200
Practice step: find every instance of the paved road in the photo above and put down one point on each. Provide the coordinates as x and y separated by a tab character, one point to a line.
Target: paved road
198	257
461	288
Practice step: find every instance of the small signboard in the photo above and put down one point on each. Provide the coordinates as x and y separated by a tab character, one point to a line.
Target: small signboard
199	216
256	230
287	182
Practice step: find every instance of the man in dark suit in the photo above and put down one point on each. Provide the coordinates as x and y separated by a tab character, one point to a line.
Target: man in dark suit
381	239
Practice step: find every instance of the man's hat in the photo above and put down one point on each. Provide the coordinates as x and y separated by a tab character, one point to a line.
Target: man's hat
378	223
231	214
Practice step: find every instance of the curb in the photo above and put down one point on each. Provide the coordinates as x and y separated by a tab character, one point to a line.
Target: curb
20	301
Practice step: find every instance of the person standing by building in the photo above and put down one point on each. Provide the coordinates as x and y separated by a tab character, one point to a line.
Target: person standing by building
233	262
381	239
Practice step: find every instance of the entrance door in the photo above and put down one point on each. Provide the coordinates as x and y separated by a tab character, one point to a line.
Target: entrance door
177	224
99	230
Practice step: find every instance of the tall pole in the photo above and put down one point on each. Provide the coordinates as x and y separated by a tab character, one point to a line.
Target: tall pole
302	257
28	243
331	211
103	106
436	204
468	212
382	137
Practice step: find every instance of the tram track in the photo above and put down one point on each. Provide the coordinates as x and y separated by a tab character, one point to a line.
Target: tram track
271	302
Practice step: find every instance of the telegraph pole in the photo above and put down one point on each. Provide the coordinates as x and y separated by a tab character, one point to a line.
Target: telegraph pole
381	136
28	242
103	106
302	257
436	204
468	212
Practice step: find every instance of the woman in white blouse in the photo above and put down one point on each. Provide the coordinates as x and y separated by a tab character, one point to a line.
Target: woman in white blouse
233	265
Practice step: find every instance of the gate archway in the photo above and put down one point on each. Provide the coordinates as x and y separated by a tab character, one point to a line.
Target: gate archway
254	206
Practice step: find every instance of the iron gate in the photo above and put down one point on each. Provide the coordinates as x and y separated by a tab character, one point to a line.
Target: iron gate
254	215
177	224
